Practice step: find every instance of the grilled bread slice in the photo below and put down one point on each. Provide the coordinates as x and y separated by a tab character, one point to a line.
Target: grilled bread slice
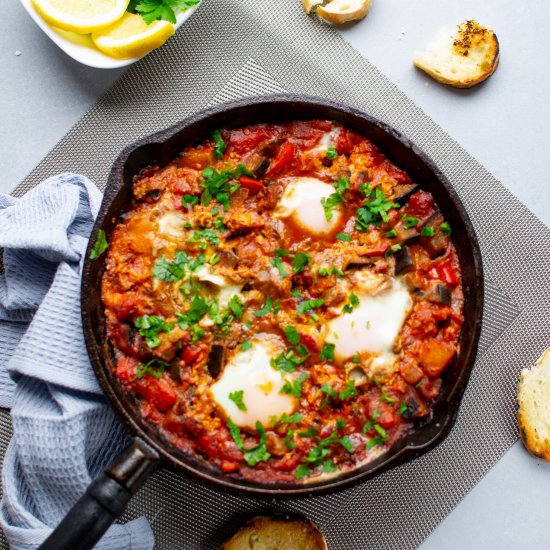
534	407
338	11
462	59
264	533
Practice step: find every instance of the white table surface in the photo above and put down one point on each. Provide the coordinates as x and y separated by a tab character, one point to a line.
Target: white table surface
504	123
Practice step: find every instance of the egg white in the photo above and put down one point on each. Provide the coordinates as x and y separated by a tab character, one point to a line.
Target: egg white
301	201
251	372
373	326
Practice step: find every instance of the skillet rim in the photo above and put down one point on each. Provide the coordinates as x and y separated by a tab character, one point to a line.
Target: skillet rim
406	449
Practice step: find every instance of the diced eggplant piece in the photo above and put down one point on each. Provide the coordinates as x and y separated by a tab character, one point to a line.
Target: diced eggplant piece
444	294
403	192
261	169
175	372
358	262
405	235
216	360
411	410
403	260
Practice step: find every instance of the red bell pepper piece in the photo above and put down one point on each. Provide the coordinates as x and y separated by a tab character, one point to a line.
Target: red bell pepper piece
285	156
444	272
157	391
343	145
191	354
253	186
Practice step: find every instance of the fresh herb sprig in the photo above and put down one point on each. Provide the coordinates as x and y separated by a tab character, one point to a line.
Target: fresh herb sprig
153	10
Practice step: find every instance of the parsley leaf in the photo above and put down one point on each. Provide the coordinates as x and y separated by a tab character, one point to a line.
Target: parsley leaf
329	390
245	346
100	245
374	209
331	153
236	306
170	272
344	237
427	231
353	303
294	387
264	310
189	199
446	228
198	309
300	262
296	417
288	440
302	471
219	144
409	221
151	10
280	265
155	368
287	362
256	454
237	398
217	184
329	467
204	236
292	335
330	203
332	270
150	326
403	408
308	305
349	390
327	353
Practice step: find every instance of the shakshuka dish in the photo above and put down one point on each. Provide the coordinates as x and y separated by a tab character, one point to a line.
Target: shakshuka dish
282	301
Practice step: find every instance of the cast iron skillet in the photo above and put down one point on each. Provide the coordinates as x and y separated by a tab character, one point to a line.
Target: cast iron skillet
107	496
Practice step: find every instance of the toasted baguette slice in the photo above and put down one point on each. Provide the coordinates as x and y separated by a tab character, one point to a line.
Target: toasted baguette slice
309	5
343	11
462	59
264	533
534	407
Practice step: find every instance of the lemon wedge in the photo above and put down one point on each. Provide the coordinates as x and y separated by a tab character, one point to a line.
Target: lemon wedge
132	37
81	16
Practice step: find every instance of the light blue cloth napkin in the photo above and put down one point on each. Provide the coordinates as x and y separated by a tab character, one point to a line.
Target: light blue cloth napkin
64	433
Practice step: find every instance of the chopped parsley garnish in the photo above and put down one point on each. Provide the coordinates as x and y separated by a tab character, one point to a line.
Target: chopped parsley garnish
292	335
296	417
218	184
349	390
374	209
310	432
317	455
371	443
237	398
205	236
329	467
198	309
369	424
331	153
155	368
308	305
256	454
427	231
219	144
151	10
446	228
353	303
327	353
332	270
265	310
236	306
409	221
329	390
171	271
281	253
150	326
391	234
355	359
385	397
197	333
296	293
402	408
300	262
218	224
189	199
245	346
288	440
344	237
381	432
340	423
280	265
287	362
214	259
302	471
100	245
393	249
332	201
294	387
199	261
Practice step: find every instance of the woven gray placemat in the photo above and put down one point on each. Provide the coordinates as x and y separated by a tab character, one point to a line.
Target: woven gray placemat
232	49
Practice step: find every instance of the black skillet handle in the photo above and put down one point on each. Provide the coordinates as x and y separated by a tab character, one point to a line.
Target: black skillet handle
105	500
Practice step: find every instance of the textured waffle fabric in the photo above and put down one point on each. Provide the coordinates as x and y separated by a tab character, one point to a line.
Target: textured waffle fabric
64	432
234	49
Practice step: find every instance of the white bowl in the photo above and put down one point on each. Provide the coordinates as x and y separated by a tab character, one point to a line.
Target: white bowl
80	46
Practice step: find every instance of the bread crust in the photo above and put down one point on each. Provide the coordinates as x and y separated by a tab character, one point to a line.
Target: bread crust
329	11
528	428
470	36
277	532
